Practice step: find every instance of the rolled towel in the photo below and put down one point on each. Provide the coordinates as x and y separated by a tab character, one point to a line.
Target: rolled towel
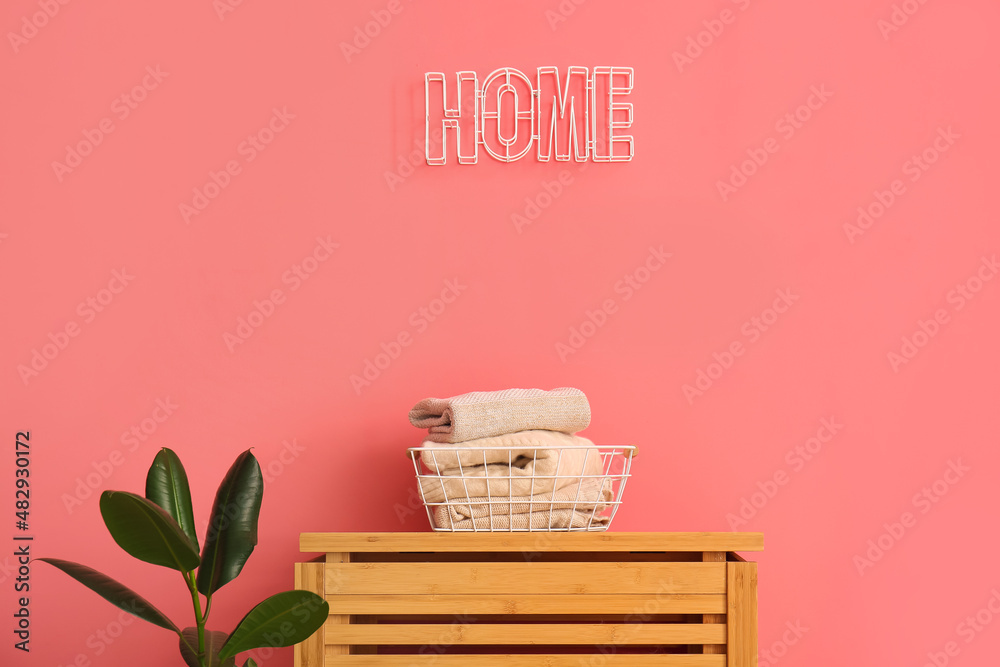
482	414
516	464
589	495
563	518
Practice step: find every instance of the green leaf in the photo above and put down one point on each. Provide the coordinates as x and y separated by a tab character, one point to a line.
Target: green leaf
167	486
250	663
117	594
145	530
214	641
232	528
283	619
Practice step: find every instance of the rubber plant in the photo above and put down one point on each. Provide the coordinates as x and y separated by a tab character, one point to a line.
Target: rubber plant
159	529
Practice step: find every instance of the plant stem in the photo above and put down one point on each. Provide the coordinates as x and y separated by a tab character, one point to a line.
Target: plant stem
198	618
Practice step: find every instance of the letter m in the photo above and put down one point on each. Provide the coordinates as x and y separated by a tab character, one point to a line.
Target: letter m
563	119
462	115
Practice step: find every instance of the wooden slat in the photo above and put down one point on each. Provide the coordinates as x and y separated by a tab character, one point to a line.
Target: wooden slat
529	633
309	653
522	557
361	620
742	627
535	578
537	660
527	604
530	541
714	557
538	618
337	619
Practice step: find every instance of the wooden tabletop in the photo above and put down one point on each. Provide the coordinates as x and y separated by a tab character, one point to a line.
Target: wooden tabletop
531	541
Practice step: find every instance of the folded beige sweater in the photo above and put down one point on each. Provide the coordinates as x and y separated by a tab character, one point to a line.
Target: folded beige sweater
482	414
518	464
589	495
542	447
561	518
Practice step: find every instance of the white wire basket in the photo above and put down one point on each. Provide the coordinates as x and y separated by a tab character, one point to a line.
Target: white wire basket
514	489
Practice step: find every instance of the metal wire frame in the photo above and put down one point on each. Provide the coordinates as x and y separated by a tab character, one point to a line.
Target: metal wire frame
562	95
487	107
612	124
451	117
491	112
616	466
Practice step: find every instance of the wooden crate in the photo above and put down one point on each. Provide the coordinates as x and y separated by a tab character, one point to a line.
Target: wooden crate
532	599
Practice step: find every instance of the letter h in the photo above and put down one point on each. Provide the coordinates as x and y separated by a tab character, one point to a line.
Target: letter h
467	87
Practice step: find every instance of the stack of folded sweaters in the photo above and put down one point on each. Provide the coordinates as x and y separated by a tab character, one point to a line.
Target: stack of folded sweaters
509	460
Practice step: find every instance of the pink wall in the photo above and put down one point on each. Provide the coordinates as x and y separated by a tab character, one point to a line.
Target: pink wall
887	97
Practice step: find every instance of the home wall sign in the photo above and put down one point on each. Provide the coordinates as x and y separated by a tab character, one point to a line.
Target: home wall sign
580	117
